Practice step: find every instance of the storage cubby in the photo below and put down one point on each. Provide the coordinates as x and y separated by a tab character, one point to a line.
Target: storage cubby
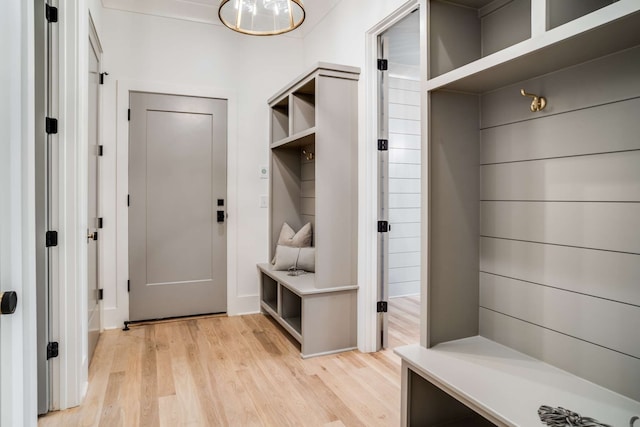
270	292
303	107
460	34
560	12
430	406
314	179
280	120
291	310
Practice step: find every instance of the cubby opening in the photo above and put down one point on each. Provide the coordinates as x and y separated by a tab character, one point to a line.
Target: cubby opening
293	186
560	12
280	120
430	406
291	309
270	292
462	31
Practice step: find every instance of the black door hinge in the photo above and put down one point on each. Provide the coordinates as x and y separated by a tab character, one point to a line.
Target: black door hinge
128	200
100	222
100	150
128	285
51	125
129	114
51	13
383	64
102	77
100	294
382	307
383	144
383	226
51	239
52	350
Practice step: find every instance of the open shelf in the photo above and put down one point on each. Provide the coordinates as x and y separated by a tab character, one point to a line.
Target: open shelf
280	120
270	292
460	33
300	139
559	12
292	309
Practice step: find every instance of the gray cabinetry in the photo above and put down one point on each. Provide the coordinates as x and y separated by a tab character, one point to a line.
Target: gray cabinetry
314	175
531	218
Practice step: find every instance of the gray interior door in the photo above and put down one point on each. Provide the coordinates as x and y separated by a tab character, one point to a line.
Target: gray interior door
93	306
177	206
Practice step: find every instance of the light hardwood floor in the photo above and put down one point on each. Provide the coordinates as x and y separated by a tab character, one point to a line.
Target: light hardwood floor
237	371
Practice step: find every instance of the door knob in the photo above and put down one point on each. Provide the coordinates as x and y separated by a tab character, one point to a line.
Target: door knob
8	302
92	235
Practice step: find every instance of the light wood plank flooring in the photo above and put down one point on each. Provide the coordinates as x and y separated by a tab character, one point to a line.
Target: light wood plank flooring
237	371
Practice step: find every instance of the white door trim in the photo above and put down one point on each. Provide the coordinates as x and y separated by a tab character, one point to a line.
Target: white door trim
368	167
115	316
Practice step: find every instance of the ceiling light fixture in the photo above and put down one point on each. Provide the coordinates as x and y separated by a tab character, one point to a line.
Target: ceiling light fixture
261	17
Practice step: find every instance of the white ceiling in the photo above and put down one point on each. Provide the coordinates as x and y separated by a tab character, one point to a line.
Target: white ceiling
207	10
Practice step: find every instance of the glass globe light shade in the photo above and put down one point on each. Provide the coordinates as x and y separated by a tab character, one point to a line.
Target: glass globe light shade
261	17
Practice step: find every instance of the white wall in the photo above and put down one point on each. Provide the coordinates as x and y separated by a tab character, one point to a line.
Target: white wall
177	53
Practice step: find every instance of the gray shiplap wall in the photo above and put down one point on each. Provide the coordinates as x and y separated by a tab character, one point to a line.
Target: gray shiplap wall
404	186
560	221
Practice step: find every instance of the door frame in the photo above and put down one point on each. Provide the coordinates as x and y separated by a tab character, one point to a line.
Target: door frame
368	320
119	314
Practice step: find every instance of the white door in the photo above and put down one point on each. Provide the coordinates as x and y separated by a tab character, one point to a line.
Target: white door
177	211
93	306
17	224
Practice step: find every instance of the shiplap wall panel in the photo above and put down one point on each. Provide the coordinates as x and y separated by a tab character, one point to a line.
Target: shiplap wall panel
581	316
404	245
574	88
409	97
404	171
401	185
404	259
405	84
404	230
575	133
404	185
611	275
602	177
403	215
613	370
608	226
404	155
400	140
560	220
404	200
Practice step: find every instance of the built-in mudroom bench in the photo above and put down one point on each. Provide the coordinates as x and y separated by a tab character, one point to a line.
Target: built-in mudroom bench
531	196
313	220
322	320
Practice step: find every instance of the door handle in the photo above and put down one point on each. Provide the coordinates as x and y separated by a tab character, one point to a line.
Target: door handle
8	302
220	216
92	235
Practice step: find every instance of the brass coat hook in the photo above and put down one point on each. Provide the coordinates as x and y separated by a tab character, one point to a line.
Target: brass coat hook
538	103
308	155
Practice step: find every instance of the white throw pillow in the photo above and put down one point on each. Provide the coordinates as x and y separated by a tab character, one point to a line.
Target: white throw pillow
299	258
